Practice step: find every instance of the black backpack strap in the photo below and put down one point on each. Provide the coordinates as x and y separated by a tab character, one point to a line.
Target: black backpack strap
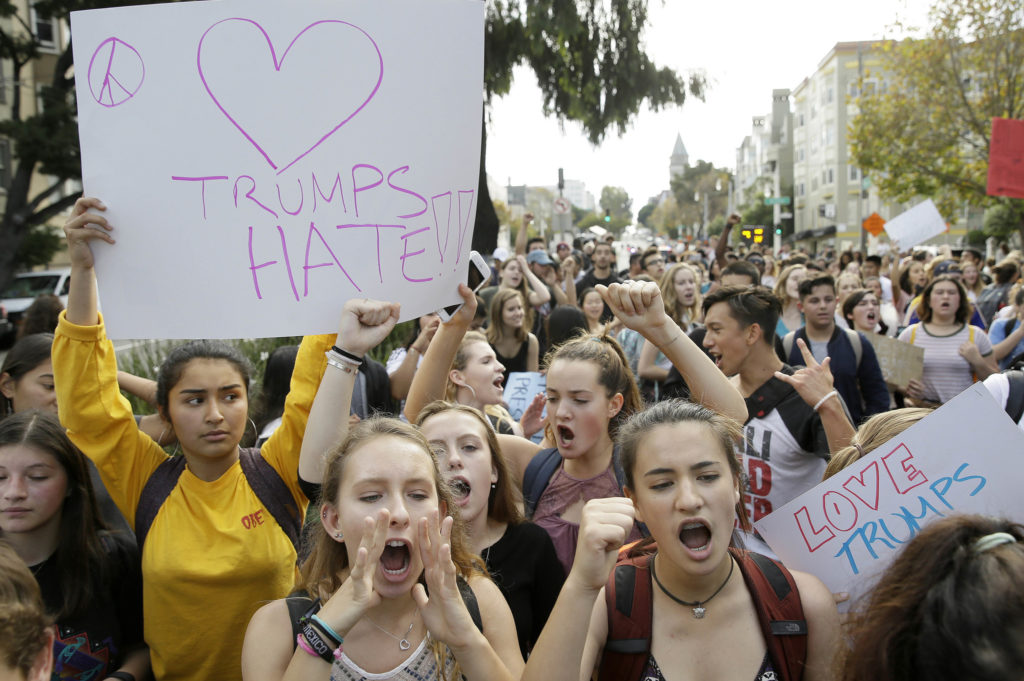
155	492
272	492
538	473
469	598
1015	398
300	608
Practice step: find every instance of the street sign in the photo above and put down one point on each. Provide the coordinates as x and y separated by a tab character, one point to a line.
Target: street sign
562	205
874	224
776	200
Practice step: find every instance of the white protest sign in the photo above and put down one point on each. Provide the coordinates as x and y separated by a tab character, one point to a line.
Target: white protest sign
916	225
263	161
521	388
964	458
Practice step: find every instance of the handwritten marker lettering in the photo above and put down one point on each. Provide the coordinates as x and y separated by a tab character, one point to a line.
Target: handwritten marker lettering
340	31
904	475
115	72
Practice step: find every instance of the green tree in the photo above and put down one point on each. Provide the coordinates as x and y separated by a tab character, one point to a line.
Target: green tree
697	183
645	213
590	65
927	133
616	201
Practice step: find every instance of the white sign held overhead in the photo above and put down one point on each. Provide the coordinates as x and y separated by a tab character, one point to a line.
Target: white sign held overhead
916	225
848	529
264	162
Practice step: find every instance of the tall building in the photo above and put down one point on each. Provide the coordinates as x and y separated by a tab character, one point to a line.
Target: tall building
679	161
831	196
764	160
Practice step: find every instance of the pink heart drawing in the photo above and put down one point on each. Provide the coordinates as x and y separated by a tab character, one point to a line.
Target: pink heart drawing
270	108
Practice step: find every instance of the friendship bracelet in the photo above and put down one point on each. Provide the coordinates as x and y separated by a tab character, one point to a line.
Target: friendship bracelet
339	363
347	355
317	645
325	628
824	399
301	642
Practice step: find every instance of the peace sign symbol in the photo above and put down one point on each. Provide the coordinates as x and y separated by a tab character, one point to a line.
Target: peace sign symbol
115	72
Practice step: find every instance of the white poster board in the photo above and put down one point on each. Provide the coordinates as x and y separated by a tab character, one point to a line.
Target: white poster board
965	458
521	388
262	161
916	225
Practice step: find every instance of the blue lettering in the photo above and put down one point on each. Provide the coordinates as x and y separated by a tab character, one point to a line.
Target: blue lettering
981	481
945	483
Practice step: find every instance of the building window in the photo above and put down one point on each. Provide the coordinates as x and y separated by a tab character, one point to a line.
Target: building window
814	183
44	29
831	94
831	175
854	173
830	136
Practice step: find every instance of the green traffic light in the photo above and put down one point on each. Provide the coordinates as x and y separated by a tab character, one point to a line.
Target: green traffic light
607	218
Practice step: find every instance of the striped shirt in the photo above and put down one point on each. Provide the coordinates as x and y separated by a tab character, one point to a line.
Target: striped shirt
946	373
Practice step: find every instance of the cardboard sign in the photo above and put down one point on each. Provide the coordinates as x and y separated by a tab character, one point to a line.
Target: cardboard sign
916	225
964	458
900	362
1006	158
262	162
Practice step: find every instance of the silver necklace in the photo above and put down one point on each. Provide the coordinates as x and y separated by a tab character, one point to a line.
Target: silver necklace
403	643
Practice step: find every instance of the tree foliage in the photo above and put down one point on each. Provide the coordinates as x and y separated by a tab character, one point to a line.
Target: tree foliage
927	133
693	185
616	201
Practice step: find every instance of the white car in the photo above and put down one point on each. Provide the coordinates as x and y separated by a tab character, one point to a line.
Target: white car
24	288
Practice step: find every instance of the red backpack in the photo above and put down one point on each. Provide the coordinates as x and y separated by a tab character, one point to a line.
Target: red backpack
629	598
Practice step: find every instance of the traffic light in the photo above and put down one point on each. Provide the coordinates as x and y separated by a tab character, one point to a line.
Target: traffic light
607	215
754	235
778	229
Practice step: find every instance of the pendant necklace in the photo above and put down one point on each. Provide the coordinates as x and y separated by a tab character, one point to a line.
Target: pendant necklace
698	606
403	643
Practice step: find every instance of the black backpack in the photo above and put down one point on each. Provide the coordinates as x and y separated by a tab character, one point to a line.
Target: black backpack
1015	398
270	489
991	299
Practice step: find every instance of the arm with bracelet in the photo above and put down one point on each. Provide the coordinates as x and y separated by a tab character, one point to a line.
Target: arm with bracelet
363	325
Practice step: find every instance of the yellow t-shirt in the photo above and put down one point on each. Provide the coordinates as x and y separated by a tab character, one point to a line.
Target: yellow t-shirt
214	554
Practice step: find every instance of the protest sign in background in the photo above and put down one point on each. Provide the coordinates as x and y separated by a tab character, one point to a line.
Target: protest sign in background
262	162
964	458
918	224
521	388
900	362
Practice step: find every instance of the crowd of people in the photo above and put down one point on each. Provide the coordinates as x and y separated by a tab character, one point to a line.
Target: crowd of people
686	396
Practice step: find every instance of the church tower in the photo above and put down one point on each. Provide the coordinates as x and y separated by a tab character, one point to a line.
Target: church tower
679	160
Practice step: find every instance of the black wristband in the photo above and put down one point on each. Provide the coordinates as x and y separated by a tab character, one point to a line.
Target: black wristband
347	355
318	642
124	676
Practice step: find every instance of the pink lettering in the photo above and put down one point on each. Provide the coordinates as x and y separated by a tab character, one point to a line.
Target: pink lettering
437	225
249	194
301	199
465	218
837	507
307	267
814	537
356	188
405	169
406	254
380	273
865	490
202	181
904	475
328	199
253	266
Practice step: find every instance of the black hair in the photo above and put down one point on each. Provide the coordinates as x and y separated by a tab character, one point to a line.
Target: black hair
24	356
277	379
757	305
565	322
174	365
743	268
808	285
41	316
535	240
877	259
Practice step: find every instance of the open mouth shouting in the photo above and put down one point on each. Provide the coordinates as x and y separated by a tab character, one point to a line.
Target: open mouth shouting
460	489
565	436
394	560
497	382
695	535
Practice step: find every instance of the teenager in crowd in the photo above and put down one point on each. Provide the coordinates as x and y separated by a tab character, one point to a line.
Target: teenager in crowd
590	391
861	312
787	290
515	274
1007	334
954	350
89	577
680	291
509	333
26	635
683	482
388	564
602	273
910	279
949	607
213	549
854	365
793	418
519	555
477	379
593	309
971	278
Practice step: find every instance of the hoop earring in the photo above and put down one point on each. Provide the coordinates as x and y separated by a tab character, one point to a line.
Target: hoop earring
255	433
160	439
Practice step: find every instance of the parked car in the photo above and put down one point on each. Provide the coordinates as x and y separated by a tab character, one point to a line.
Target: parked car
24	288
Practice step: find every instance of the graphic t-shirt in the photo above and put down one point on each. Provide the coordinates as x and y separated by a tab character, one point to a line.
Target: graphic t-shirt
784	450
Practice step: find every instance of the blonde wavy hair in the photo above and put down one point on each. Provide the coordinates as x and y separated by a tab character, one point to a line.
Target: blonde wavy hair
679	314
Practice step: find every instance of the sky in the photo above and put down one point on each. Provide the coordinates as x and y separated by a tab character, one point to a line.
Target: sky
746	49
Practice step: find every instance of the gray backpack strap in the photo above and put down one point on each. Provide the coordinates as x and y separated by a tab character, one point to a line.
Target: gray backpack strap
787	344
855	341
272	492
158	487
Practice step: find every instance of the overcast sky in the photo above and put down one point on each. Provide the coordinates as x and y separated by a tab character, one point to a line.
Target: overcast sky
746	49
